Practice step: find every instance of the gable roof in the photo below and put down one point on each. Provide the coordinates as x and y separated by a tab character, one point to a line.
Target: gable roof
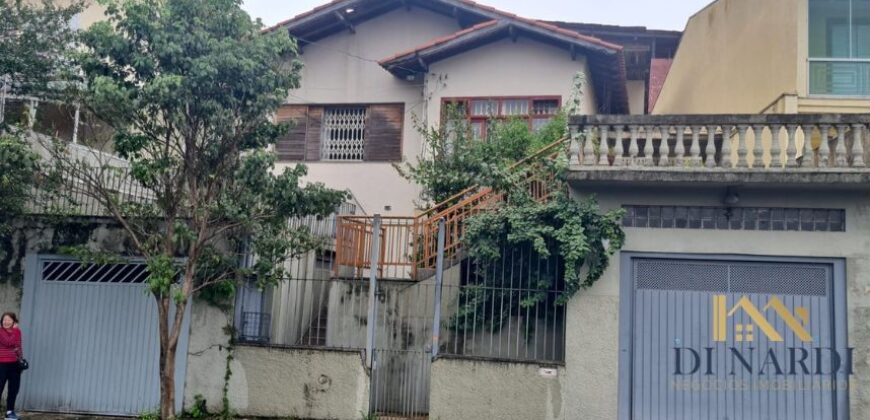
484	24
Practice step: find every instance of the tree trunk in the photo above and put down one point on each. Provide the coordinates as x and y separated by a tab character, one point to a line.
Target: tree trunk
168	346
167	387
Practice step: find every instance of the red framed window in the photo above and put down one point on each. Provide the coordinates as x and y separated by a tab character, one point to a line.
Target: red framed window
481	111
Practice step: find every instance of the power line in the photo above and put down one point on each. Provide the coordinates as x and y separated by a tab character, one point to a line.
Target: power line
350	54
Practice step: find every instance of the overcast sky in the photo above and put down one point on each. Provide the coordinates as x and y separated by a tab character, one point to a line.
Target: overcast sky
654	14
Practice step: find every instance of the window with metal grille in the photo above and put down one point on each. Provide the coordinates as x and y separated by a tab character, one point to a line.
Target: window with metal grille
343	133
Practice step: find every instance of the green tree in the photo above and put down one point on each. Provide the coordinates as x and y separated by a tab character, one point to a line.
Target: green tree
35	38
18	165
34	42
189	87
454	160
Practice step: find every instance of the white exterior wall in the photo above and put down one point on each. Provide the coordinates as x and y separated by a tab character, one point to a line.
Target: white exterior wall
507	68
332	75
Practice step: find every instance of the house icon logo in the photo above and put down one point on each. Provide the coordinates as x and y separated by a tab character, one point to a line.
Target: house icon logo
797	321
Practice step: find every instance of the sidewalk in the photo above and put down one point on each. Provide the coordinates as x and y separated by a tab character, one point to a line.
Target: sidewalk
52	416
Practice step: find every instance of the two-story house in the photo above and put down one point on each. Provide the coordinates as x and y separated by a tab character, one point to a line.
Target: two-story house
376	71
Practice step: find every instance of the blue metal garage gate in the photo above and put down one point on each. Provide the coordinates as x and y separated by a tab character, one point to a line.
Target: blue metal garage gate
704	314
90	334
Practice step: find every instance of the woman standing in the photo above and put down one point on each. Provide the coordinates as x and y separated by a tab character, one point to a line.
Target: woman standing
10	353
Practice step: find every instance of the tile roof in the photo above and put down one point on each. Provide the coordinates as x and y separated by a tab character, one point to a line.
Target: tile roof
658	73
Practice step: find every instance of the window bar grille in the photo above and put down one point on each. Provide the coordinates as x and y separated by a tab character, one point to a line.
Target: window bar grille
343	135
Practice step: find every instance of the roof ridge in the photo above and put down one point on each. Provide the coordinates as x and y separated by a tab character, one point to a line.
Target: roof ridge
473	5
441	40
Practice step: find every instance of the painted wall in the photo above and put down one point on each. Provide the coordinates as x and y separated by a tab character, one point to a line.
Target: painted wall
469	389
736	56
343	69
299	383
591	380
637	92
332	75
506	68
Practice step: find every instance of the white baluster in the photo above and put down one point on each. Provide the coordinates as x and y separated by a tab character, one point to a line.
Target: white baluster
603	146
680	147
665	148
775	146
710	151
824	147
588	148
858	146
758	147
695	149
791	148
619	149
808	159
841	159
648	147
574	148
726	147
741	146
632	146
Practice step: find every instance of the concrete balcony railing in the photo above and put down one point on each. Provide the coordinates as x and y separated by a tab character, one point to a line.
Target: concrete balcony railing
795	148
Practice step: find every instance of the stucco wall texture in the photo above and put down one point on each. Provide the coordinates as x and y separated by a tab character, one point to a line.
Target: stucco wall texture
592	359
736	56
306	384
469	389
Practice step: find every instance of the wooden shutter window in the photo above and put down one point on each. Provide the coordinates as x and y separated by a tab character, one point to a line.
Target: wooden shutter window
383	141
291	146
312	137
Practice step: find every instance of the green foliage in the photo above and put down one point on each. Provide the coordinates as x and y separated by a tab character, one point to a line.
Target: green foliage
149	415
505	242
370	416
199	409
453	160
570	233
18	167
189	87
226	411
34	37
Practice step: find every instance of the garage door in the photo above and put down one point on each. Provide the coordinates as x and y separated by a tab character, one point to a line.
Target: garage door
90	334
732	338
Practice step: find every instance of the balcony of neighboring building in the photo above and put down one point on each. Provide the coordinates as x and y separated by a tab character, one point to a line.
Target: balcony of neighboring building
780	150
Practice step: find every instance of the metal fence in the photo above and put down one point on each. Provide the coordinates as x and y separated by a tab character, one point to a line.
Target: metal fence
509	308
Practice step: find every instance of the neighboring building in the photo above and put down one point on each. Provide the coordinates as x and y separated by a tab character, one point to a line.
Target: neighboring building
376	70
772	56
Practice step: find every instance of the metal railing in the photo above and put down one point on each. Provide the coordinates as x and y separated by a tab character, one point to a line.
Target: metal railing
841	77
721	142
408	244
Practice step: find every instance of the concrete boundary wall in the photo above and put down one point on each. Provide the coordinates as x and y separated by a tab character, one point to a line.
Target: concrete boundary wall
299	383
464	388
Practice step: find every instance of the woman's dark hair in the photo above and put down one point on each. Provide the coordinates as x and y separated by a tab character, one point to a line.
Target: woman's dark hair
10	315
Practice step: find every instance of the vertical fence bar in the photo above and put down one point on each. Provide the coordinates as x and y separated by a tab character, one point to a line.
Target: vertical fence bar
373	283
439	277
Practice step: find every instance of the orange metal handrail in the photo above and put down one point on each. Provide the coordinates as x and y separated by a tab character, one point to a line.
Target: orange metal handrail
409	244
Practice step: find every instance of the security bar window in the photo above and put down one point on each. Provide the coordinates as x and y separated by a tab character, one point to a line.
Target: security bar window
343	135
348	133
